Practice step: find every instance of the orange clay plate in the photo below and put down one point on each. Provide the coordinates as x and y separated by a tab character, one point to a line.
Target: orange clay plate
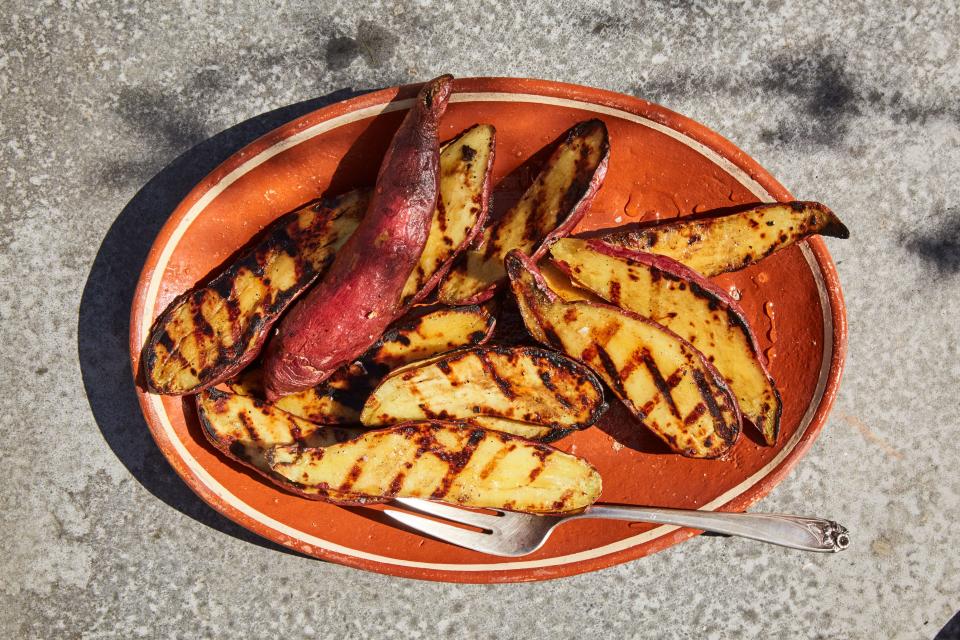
661	165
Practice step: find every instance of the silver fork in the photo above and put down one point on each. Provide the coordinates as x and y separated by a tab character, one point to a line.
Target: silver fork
506	533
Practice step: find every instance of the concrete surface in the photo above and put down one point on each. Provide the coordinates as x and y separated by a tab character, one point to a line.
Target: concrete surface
856	105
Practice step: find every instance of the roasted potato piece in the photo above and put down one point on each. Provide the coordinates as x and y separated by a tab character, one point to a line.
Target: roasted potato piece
661	378
529	387
361	293
208	334
549	209
465	466
688	304
244	429
711	245
465	171
339	399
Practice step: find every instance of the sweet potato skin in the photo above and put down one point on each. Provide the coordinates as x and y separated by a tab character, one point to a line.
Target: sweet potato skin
361	294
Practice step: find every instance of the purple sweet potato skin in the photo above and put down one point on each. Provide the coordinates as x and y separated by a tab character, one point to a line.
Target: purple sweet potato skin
360	295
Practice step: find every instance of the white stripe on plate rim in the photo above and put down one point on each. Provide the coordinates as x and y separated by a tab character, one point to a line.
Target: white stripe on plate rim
230	499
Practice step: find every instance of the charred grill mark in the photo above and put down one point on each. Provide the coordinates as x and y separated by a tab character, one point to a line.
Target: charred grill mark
706	391
615	292
396	484
456	462
165	341
675	378
239	451
504	385
248	426
611	369
694	415
352	476
468	153
660	383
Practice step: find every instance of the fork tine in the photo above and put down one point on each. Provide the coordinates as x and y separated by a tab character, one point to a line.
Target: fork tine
454	514
446	532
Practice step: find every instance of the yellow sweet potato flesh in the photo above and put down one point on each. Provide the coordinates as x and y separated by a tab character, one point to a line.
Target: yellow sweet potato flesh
245	429
717	244
422	335
663	380
550	207
465	466
209	333
461	206
519	390
687	305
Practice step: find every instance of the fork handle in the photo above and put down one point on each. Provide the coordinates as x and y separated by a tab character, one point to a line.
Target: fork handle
796	532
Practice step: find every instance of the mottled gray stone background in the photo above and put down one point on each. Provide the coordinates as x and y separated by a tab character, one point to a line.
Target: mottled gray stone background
855	104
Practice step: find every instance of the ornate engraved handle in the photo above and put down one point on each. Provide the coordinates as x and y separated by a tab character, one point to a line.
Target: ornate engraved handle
796	532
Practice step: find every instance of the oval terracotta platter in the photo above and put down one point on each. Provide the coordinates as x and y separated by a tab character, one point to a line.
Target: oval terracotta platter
661	165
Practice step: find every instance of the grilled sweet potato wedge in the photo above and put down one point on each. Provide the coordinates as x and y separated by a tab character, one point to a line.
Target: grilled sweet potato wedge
688	304
465	172
361	293
529	387
465	466
661	378
711	245
208	334
339	399
549	209
244	430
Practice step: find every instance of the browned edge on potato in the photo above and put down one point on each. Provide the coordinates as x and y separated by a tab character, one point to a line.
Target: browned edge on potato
244	429
431	460
660	377
712	244
528	391
550	208
423	333
210	333
361	293
675	296
466	165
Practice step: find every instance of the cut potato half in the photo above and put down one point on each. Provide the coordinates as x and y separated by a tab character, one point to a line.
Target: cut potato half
210	333
549	209
688	304
466	466
522	390
661	378
244	429
711	245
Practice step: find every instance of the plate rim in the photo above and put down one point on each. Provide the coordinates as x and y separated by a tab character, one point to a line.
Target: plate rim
468	89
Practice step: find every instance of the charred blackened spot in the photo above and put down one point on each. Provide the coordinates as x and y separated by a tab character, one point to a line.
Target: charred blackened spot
468	153
611	370
402	339
239	451
614	292
445	367
675	378
396	484
770	223
812	220
651	238
570	315
655	274
708	442
753	223
682	286
165	340
693	239
695	414
475	408
552	336
477	337
632	276
783	237
352	476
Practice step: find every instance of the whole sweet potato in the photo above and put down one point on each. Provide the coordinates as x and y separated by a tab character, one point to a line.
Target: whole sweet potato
361	294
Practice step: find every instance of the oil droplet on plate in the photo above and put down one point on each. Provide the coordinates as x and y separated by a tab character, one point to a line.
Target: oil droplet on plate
770	352
763	278
734	292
